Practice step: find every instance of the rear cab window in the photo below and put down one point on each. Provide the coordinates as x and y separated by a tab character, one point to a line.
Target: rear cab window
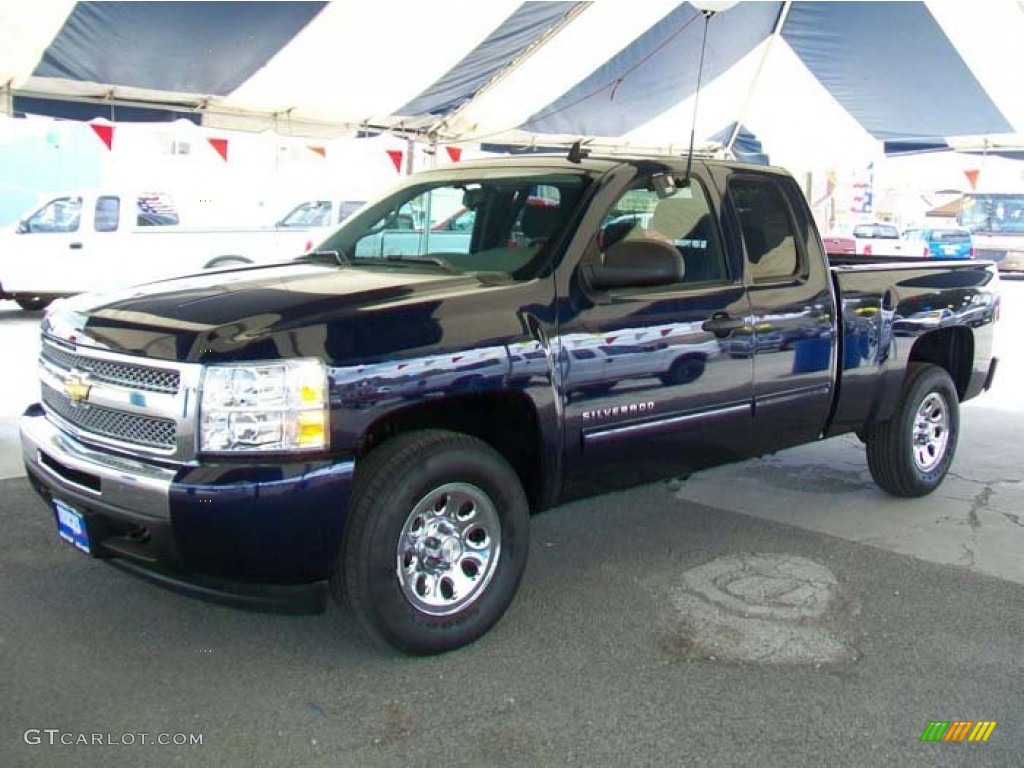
769	236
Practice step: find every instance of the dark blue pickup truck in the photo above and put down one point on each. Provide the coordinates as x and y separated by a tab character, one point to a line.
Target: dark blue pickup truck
385	425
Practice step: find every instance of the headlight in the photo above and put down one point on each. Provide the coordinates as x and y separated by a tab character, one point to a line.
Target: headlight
266	407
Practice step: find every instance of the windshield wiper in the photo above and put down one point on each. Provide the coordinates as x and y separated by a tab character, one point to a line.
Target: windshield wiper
446	265
338	257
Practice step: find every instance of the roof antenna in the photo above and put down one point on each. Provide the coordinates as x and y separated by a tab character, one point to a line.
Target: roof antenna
577	152
696	97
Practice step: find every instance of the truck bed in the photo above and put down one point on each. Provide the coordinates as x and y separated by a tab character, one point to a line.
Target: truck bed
885	306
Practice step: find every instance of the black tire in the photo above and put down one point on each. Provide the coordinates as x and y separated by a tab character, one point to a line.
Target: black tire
685	370
33	303
397	487
910	454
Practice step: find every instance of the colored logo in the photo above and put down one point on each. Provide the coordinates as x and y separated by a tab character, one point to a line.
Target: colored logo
958	730
77	388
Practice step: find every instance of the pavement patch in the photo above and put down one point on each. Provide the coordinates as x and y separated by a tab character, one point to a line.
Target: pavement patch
766	608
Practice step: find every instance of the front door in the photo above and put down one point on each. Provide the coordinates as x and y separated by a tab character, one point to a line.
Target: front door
649	386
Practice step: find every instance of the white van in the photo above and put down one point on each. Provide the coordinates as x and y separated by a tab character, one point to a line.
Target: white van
75	242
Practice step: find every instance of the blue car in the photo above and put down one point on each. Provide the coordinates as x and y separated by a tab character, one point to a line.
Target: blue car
945	242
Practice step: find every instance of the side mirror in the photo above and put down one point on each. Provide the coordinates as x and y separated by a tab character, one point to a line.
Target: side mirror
23	227
636	263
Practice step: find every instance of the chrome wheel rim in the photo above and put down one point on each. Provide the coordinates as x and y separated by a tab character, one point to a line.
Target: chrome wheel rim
448	549
931	432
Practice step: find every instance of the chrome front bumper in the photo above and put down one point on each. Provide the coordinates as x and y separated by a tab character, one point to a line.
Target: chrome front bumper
78	472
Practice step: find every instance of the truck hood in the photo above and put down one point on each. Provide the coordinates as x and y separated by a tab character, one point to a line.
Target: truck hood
265	313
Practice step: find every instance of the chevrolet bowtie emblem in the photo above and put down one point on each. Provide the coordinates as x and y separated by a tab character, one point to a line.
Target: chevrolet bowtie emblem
77	388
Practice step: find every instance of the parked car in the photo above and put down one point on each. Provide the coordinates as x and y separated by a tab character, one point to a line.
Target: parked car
944	242
871	238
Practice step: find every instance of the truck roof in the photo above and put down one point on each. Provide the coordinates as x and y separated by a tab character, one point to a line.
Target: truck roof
600	163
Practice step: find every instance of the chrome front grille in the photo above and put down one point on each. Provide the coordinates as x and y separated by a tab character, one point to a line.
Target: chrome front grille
131	404
116	425
142	377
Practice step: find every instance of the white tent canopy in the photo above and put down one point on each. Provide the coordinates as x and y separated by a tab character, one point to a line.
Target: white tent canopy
818	80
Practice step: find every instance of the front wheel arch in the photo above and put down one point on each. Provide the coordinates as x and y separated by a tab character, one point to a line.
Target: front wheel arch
227	261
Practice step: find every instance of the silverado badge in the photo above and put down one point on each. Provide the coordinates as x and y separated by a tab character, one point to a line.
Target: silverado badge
77	388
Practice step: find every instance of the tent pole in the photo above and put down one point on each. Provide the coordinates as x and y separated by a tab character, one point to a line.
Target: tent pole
410	150
779	23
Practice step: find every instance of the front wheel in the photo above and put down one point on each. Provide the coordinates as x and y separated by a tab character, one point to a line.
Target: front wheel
910	454
435	543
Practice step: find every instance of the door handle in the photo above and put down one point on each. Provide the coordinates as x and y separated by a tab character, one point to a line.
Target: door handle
721	324
75	246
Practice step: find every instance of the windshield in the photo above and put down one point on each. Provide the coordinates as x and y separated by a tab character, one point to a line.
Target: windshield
993	213
951	236
495	220
876	231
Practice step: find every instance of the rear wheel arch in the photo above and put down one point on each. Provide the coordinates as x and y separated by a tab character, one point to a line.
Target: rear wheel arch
951	349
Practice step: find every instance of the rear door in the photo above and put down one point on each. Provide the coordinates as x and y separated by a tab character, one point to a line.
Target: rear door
794	338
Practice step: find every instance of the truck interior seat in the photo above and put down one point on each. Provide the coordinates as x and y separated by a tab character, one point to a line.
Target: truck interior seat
538	222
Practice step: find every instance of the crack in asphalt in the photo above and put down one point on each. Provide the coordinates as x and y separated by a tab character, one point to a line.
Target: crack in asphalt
1015	519
980	501
997	481
968	555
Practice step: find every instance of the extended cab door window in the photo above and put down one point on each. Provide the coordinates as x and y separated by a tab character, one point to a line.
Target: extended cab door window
108	212
768	233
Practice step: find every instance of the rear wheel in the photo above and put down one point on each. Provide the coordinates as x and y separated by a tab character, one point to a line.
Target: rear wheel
910	454
435	543
685	370
33	303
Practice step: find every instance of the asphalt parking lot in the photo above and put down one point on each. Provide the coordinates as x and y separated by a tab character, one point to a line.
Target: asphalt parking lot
778	612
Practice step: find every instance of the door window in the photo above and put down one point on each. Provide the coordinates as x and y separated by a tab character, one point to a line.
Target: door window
768	232
60	215
313	213
683	220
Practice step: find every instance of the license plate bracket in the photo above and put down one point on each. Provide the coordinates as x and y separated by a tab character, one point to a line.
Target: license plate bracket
72	526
